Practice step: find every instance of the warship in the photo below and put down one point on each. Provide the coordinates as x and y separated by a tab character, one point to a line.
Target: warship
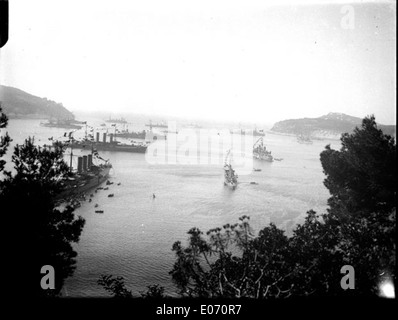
64	124
126	134
256	132
230	177
304	139
85	177
156	125
260	151
121	120
112	145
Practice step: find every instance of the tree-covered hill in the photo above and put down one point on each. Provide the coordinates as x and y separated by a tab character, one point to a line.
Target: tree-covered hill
331	125
20	104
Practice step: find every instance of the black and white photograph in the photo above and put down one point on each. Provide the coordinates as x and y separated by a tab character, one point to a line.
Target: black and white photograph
167	152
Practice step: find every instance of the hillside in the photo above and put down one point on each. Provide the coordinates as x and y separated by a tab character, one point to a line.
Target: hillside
20	104
331	125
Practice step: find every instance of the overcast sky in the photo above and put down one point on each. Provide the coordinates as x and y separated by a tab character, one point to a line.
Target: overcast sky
246	60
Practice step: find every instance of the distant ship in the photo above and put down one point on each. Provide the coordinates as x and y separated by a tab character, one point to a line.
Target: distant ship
64	124
260	151
304	139
258	132
86	177
121	120
192	126
255	132
125	134
230	177
156	125
112	145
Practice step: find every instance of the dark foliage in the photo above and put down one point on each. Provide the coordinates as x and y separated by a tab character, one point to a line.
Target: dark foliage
115	286
4	138
41	232
153	292
362	180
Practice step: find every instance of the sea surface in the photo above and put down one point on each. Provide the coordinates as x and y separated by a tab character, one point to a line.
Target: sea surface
134	236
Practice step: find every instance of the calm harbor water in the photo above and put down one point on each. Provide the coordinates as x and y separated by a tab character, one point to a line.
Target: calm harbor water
134	235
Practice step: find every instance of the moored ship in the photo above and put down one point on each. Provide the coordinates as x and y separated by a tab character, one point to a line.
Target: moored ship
304	139
125	134
121	120
260	151
256	132
156	125
64	124
84	181
112	145
86	177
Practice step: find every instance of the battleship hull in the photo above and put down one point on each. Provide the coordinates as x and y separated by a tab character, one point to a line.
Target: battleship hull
62	125
264	157
230	184
132	135
304	141
112	147
85	182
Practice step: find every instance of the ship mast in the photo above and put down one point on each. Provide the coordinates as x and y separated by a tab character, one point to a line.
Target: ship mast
71	156
261	138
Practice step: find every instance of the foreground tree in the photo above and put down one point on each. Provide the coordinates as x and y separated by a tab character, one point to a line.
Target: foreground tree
117	288
42	232
233	263
362	180
361	176
4	138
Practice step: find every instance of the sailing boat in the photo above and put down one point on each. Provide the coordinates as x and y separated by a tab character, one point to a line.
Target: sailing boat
230	177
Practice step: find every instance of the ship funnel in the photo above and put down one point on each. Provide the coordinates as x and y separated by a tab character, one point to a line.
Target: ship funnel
79	164
111	138
98	136
104	137
89	161
84	163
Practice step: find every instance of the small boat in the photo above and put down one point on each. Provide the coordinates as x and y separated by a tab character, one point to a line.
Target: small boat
278	159
110	195
99	211
96	205
256	169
